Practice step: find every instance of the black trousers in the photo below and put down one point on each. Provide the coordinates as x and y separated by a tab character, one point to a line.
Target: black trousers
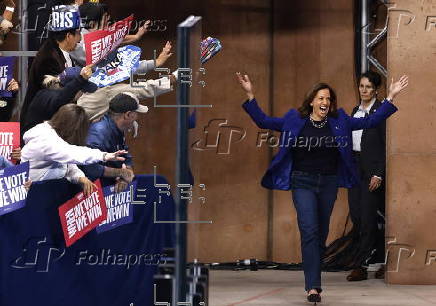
365	207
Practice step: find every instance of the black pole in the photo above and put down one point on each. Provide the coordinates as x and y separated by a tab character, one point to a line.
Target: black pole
181	166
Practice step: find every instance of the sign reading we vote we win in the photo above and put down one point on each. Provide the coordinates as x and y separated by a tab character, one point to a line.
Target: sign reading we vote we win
13	194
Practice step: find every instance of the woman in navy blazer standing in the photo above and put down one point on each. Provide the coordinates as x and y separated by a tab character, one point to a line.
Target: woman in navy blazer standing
314	159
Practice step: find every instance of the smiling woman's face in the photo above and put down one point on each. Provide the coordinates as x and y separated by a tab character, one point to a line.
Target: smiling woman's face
321	104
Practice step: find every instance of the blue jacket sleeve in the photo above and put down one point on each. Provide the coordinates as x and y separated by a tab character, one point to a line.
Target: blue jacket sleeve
94	171
261	119
382	113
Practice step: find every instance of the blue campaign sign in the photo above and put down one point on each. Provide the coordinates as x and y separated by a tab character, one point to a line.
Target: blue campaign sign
6	72
117	67
13	194
119	207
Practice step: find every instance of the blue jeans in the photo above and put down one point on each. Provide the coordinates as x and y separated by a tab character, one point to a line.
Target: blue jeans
314	196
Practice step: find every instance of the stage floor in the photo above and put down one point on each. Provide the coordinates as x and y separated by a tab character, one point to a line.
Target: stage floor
269	288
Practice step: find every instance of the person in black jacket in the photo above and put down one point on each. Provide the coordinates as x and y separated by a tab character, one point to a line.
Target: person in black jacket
48	101
366	200
52	58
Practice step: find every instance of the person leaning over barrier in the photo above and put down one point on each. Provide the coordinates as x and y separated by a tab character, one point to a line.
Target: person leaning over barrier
315	173
55	148
108	135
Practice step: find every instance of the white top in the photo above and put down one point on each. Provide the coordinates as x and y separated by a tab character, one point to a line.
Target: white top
50	157
69	62
357	135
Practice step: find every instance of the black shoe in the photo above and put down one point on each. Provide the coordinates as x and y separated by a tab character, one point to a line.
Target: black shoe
358	274
314	298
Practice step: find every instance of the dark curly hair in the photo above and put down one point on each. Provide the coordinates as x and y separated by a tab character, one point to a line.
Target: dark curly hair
305	109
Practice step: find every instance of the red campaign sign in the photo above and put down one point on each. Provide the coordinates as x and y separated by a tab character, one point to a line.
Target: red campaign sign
99	44
9	138
82	214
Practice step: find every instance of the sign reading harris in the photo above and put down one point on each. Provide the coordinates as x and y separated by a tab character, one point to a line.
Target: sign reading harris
117	67
6	72
63	18
82	214
119	208
13	194
98	44
9	138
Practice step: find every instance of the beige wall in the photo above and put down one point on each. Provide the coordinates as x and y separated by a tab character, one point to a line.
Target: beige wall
411	210
285	46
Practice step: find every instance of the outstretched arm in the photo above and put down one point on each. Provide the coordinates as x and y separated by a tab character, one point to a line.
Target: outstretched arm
259	117
385	110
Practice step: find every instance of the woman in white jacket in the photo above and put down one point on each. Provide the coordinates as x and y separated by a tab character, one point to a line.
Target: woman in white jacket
55	147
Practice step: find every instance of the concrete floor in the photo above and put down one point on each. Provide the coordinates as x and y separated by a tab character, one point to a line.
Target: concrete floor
269	288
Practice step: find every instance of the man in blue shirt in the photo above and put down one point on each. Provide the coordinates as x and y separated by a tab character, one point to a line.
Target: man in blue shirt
108	134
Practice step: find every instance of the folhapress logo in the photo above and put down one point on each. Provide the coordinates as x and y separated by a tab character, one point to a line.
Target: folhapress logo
38	254
219	136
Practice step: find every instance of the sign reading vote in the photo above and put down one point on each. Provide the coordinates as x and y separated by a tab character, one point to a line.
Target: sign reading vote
13	194
98	44
6	72
119	207
9	138
82	214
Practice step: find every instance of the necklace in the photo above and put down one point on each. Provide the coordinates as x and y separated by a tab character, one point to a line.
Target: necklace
318	125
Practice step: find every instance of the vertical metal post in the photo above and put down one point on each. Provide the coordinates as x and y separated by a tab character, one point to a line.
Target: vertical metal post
364	26
181	167
23	45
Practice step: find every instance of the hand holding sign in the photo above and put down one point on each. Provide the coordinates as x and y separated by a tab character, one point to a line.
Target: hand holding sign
16	154
87	185
86	71
120	185
127	174
13	85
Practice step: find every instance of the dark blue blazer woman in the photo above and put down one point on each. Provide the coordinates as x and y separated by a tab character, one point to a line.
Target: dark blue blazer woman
278	175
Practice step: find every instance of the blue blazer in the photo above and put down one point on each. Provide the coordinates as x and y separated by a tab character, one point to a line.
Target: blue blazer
278	175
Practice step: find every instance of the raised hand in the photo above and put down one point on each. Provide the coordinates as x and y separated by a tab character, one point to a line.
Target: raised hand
246	85
397	87
142	30
164	55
